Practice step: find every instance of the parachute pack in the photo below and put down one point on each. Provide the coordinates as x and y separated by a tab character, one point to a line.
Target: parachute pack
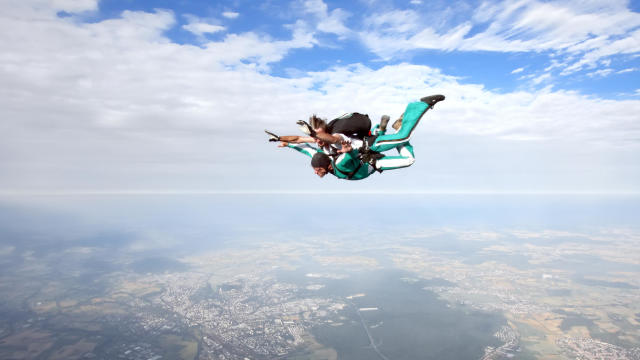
353	125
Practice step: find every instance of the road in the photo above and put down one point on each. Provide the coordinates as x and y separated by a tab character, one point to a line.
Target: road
373	344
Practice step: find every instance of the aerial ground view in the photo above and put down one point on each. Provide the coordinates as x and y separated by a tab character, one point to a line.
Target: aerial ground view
187	277
316	179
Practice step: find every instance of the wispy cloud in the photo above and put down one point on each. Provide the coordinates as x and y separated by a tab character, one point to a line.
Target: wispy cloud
200	27
327	21
600	73
230	14
71	6
587	31
539	79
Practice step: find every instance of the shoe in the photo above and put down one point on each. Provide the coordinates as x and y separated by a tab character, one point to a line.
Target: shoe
383	123
272	136
432	100
397	124
305	127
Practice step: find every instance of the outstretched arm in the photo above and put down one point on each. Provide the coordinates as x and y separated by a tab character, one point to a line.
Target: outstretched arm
295	139
304	148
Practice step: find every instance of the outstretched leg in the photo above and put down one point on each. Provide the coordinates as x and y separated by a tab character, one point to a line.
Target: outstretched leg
405	158
410	119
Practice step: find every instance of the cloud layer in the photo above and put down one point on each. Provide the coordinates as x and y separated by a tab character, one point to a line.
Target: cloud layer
96	103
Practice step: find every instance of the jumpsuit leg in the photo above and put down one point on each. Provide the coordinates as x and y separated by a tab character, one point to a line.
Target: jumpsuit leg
410	120
405	158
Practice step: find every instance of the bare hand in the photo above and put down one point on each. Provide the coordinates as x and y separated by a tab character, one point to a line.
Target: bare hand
283	144
345	147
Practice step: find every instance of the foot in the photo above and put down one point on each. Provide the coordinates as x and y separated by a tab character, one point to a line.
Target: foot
432	100
397	124
272	136
383	123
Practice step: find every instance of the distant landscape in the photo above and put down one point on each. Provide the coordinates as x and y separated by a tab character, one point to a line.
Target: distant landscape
234	277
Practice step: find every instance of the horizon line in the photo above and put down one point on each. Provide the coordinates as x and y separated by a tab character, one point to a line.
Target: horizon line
18	193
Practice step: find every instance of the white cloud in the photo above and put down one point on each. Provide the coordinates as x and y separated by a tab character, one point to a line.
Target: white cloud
124	74
203	28
74	6
261	50
518	70
230	14
327	21
199	26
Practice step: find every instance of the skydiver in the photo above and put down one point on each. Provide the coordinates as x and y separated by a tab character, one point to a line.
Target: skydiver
349	165
351	128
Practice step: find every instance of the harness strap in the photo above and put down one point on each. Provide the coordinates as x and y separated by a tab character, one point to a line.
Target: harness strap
367	155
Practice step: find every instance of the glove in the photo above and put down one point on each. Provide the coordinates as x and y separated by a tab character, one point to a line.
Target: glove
306	128
272	137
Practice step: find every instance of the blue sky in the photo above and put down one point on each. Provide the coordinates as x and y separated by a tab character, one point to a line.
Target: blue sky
148	96
614	75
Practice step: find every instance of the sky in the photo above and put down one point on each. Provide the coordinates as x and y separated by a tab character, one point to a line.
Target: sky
124	96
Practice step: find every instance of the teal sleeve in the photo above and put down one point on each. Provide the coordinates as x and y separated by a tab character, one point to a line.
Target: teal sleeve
304	148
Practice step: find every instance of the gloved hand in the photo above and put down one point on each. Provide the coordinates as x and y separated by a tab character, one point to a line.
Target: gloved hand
272	137
306	128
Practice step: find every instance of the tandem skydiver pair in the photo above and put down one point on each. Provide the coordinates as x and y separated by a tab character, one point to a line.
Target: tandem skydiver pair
348	148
